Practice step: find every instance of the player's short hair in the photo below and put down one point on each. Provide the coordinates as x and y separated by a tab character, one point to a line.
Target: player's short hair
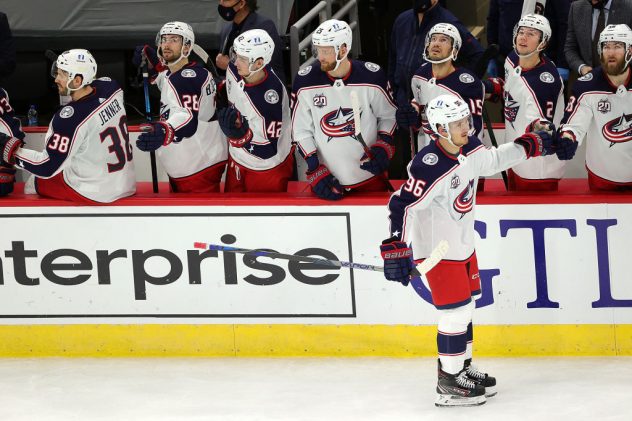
252	5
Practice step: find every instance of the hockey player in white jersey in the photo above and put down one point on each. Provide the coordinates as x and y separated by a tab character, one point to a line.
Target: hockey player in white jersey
191	148
11	126
323	120
600	111
534	92
87	157
258	125
435	204
439	76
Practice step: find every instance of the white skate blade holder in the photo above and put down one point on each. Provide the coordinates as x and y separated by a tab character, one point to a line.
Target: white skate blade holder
452	400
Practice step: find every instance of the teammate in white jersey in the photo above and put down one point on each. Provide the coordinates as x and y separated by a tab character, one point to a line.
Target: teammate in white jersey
191	147
323	120
600	110
437	203
10	125
439	76
258	125
534	91
87	157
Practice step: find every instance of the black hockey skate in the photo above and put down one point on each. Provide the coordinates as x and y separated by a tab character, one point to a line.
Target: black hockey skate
483	379
458	390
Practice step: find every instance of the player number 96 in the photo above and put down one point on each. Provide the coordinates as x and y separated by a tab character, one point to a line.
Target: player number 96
414	186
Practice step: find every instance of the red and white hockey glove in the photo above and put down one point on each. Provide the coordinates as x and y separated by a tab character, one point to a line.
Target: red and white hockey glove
8	147
381	154
494	87
324	184
536	144
235	126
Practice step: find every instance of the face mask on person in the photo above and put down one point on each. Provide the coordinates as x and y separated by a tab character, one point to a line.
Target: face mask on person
421	6
227	12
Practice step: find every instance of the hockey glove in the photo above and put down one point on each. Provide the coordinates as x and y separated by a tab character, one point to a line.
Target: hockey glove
324	184
377	162
494	87
398	262
155	135
538	125
565	148
8	146
407	116
154	65
536	144
7	180
235	127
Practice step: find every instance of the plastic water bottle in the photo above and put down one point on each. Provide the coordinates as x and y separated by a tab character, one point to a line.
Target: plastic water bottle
32	116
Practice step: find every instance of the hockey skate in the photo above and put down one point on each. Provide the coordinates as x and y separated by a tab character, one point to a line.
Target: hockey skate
458	390
483	379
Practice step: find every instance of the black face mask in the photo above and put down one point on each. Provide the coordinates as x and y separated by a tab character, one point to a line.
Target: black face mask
227	13
422	6
600	4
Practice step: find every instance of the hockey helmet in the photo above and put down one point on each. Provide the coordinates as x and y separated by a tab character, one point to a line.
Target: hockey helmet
177	28
618	33
446	109
534	21
332	33
76	62
448	30
253	45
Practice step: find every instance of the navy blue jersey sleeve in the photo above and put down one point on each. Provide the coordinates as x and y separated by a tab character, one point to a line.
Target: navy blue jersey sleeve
9	123
545	86
188	84
267	99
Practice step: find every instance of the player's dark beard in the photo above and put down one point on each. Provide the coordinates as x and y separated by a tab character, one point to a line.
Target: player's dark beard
613	69
327	67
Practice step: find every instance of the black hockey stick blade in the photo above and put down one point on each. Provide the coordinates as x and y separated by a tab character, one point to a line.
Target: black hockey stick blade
208	61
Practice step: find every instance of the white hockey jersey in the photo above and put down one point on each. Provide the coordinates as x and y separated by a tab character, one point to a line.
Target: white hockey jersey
9	123
323	121
437	202
266	106
461	83
187	103
602	113
536	93
88	141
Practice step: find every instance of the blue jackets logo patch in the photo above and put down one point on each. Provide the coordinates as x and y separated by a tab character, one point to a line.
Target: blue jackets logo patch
618	130
338	123
464	202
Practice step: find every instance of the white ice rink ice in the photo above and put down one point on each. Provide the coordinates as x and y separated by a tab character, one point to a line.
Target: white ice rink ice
305	389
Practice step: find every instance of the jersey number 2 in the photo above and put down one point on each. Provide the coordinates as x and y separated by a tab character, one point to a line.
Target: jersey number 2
116	148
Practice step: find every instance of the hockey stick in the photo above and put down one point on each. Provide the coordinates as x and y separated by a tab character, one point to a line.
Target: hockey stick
355	104
490	54
208	63
424	267
51	55
152	154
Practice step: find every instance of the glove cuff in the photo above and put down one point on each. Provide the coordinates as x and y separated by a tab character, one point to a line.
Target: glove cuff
8	153
318	174
241	142
170	133
388	148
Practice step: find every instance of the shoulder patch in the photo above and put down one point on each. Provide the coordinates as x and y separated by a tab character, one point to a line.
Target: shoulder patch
586	77
546	77
372	66
430	159
188	73
66	112
271	96
466	78
305	71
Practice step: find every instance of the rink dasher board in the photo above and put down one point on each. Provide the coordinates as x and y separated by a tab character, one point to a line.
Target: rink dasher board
577	300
